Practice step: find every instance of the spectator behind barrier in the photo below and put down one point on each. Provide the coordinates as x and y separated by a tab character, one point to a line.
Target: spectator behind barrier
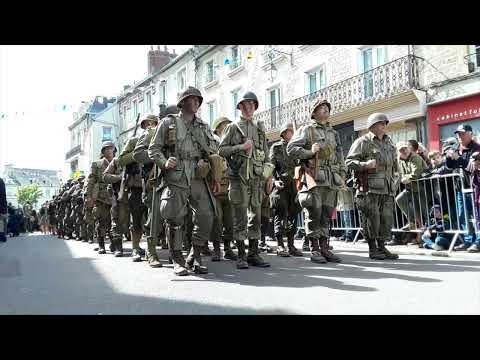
434	236
458	158
474	168
419	149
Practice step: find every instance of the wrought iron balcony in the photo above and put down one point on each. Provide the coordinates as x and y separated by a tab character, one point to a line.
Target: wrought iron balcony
74	151
382	82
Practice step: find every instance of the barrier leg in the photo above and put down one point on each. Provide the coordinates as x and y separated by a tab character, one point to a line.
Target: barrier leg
356	237
454	240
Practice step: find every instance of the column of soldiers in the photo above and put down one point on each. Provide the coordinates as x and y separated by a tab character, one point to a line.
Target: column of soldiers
181	183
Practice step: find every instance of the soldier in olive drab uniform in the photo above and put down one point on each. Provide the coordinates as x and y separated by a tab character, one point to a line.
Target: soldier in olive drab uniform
88	218
374	159
180	148
154	226
69	219
77	203
284	195
223	225
318	147
245	148
27	213
103	201
60	213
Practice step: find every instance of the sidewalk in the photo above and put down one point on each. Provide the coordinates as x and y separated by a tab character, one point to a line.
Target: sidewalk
406	250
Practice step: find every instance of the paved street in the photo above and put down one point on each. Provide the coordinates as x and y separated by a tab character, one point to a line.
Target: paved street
45	275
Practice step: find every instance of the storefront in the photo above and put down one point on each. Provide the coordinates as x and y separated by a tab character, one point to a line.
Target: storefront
444	117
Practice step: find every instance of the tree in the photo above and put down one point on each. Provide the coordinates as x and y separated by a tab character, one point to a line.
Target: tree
29	193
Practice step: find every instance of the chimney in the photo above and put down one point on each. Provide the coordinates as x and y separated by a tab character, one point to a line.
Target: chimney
158	59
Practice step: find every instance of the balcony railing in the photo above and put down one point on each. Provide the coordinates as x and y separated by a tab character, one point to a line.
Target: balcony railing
74	151
379	83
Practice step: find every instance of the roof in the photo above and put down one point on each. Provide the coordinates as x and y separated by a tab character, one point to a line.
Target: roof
22	176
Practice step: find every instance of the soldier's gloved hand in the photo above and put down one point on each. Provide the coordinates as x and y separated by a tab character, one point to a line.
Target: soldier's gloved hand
316	148
171	163
371	164
279	184
247	145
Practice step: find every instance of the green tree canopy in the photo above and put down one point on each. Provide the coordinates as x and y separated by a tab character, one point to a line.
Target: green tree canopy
28	193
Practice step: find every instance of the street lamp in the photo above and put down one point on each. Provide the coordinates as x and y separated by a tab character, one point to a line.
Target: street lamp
273	72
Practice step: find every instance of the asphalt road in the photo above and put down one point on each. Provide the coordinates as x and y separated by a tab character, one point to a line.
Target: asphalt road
45	275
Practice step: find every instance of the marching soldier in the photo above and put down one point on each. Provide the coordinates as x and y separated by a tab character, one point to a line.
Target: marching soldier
373	158
245	148
60	213
98	196
88	218
154	226
77	204
68	220
284	195
181	148
27	213
321	174
223	226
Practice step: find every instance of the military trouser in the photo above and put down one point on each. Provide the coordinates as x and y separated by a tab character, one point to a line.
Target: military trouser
102	216
187	234
174	204
79	224
89	222
376	216
318	204
28	223
246	200
120	217
137	210
154	227
223	224
68	222
285	209
60	224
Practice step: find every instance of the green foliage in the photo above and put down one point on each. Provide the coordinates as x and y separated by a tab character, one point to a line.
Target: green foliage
29	193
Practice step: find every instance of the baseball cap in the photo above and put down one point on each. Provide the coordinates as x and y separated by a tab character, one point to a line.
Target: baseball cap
463	128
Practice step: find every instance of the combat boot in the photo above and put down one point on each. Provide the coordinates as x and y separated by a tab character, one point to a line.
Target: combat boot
292	250
194	261
217	256
174	237
325	251
383	249
153	261
306	245
253	257
373	251
206	251
118	248
163	243
317	256
151	255
281	251
101	246
263	246
112	246
136	250
242	256
229	254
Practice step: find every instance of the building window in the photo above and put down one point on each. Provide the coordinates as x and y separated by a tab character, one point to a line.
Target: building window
135	108
236	112
274	104
148	102
370	58
163	92
106	133
182	79
211	112
210	72
235	55
315	80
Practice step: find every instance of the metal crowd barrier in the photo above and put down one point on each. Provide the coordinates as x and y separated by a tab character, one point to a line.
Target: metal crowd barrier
438	190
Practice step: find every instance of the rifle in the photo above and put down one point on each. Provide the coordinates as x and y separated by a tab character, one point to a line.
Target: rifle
360	181
304	175
125	171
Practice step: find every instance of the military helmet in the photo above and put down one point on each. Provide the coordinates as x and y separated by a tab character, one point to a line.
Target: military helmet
376	118
150	117
81	178
169	110
317	104
106	144
219	122
248	96
190	91
285	127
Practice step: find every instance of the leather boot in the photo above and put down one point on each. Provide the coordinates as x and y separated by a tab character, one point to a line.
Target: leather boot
242	256
292	250
253	257
229	254
101	246
281	251
383	249
112	247
194	261
306	245
118	247
325	251
317	256
373	251
163	243
263	246
136	250
217	256
152	257
175	238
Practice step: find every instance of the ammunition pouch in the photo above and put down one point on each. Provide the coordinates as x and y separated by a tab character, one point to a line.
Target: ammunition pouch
202	169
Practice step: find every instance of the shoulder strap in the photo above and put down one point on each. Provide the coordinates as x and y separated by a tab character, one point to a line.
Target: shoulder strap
201	140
